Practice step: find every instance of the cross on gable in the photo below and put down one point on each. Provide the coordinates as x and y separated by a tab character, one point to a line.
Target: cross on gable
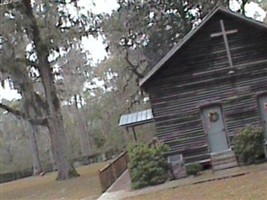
224	33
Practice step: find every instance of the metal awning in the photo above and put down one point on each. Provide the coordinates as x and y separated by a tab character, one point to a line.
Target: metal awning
137	118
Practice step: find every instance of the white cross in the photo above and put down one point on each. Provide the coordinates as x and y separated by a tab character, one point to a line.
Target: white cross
225	39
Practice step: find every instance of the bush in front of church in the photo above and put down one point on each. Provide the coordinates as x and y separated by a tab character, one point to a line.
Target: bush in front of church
194	169
147	165
249	144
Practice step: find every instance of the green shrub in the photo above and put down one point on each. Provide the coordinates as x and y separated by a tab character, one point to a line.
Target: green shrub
248	144
193	169
147	165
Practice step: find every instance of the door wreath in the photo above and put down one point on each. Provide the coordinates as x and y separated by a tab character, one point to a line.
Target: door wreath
265	106
213	116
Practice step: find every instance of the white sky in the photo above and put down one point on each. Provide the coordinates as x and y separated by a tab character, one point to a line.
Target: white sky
253	10
96	46
7	93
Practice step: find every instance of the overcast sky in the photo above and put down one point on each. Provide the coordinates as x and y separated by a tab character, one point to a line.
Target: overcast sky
97	48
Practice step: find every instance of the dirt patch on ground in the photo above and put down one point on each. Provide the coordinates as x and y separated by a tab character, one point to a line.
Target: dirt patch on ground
46	188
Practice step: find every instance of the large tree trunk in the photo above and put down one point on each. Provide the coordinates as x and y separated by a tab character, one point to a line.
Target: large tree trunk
60	148
59	142
54	117
36	163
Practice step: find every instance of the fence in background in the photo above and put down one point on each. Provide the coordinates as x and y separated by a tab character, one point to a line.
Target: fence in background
112	171
11	176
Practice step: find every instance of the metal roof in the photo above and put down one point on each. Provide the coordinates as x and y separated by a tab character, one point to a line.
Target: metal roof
137	118
177	47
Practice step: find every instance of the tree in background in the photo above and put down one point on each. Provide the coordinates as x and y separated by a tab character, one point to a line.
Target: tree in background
49	29
118	95
74	74
32	131
149	29
142	32
13	144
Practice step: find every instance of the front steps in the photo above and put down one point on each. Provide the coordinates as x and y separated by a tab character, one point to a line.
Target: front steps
223	160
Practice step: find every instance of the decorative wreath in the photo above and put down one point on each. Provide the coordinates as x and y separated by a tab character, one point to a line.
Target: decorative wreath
213	116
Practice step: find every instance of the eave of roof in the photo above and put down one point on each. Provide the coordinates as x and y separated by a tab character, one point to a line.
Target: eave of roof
137	118
186	39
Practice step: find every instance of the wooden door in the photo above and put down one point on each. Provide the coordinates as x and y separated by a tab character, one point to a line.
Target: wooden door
262	104
215	129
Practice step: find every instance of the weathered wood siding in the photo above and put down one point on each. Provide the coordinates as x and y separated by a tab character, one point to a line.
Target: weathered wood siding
112	171
198	73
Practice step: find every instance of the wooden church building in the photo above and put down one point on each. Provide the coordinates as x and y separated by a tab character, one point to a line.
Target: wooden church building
211	84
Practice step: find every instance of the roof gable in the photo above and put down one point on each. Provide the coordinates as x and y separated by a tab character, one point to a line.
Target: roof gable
192	33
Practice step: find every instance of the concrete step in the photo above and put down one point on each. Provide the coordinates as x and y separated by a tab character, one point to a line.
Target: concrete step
223	160
224	166
223	154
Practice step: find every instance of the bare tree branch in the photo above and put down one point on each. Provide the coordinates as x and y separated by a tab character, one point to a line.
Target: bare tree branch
132	67
19	114
15	112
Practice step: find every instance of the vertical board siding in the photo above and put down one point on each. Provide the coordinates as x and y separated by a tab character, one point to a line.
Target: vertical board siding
198	74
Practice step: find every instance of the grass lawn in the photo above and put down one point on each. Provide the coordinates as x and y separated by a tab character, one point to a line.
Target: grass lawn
46	188
251	186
